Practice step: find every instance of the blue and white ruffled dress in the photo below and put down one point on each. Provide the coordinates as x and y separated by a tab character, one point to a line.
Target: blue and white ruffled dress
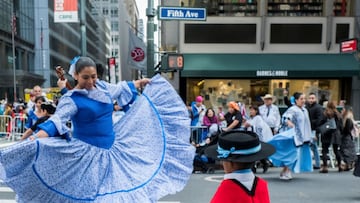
149	158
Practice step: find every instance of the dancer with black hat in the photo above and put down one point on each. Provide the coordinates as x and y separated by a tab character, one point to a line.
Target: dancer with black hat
238	151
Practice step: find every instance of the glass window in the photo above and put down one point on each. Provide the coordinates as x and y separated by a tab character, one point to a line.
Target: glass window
296	33
114	26
295	8
114	12
220	33
105	11
218	92
342	32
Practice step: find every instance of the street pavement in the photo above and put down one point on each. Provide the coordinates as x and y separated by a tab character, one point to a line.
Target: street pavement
333	187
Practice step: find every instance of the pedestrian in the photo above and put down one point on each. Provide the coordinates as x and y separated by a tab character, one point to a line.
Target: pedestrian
333	137
238	151
316	115
141	158
270	113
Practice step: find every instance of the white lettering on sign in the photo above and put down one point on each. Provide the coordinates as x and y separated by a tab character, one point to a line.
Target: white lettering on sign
190	14
272	73
175	13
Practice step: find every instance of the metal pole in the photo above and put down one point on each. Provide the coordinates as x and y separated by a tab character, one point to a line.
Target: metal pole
150	13
83	27
13	27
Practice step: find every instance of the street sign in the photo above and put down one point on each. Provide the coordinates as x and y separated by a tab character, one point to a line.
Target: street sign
182	13
348	46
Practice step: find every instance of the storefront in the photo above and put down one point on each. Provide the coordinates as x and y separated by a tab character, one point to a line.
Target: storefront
246	77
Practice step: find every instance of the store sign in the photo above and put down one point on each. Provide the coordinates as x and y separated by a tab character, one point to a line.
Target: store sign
66	11
271	73
348	46
182	13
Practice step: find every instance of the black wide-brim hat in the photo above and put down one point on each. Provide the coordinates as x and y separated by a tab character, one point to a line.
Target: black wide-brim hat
239	146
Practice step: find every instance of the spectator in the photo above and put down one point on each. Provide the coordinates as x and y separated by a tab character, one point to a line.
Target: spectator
118	113
316	115
238	151
270	113
350	130
35	113
332	138
36	91
198	111
46	109
233	117
261	128
212	123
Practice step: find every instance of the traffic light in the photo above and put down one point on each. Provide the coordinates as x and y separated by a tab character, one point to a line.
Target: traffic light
172	62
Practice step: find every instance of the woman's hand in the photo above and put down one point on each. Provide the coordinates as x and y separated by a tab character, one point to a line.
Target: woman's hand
139	84
61	83
290	124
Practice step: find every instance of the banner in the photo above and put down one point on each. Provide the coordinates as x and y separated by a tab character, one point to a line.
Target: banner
112	74
66	11
137	52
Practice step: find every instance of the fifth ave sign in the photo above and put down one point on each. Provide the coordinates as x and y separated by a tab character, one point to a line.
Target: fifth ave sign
182	13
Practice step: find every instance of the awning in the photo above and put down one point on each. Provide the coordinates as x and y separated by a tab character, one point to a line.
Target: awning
270	65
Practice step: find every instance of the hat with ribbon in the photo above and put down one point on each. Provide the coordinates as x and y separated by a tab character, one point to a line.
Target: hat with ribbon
240	146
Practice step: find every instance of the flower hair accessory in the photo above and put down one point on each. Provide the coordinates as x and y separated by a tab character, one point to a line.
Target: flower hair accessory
72	65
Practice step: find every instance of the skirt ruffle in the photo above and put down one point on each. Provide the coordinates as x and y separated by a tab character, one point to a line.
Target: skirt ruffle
298	159
151	157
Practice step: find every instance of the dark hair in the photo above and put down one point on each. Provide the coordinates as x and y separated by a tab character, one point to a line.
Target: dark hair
84	62
312	93
42	98
209	109
256	108
349	125
49	107
297	95
100	70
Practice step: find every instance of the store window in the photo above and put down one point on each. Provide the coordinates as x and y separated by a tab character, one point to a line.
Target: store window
295	8
342	32
218	92
296	33
225	7
220	33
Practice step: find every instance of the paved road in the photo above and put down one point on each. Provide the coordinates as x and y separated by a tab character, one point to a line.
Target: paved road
314	187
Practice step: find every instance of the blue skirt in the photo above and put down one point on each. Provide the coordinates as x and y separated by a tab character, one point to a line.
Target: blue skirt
150	158
297	159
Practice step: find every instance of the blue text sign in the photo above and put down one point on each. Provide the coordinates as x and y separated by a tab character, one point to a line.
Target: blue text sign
182	13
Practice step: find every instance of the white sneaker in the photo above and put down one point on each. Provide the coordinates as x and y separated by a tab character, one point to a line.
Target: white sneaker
285	176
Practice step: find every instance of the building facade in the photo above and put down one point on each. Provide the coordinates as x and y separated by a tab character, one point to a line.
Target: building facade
20	14
123	15
40	44
247	48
